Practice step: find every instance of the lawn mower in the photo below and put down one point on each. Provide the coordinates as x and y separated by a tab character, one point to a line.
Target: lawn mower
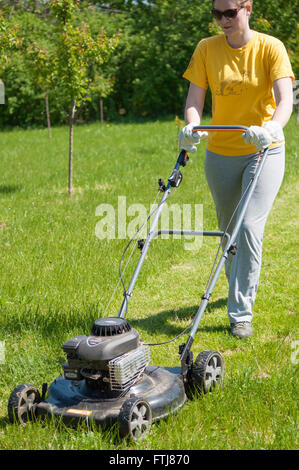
108	377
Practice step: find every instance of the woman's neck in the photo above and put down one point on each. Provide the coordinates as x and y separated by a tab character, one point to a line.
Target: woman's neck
239	39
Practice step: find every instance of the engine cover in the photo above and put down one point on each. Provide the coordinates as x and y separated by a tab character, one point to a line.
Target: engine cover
94	352
98	348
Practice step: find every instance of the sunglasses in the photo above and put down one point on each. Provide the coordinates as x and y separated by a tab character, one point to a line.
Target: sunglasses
231	13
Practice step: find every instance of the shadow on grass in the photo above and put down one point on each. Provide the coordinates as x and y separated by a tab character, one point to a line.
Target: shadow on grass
160	323
61	323
9	188
4	421
54	323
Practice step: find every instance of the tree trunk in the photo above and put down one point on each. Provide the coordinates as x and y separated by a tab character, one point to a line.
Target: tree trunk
71	116
101	110
48	114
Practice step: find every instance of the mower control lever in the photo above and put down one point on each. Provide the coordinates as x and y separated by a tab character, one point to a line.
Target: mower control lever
162	186
175	179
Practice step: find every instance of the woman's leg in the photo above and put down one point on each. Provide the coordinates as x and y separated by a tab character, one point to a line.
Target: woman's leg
246	264
228	178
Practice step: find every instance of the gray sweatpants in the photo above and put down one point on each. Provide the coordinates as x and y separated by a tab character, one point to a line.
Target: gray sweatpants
227	178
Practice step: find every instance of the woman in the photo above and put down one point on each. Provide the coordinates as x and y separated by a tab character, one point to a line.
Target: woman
250	78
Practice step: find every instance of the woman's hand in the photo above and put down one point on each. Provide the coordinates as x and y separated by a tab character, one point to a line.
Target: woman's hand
189	139
264	136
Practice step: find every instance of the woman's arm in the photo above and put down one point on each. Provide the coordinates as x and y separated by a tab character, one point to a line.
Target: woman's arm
256	135
193	112
283	92
194	104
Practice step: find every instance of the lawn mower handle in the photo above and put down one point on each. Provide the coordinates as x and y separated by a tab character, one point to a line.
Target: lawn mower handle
183	156
220	128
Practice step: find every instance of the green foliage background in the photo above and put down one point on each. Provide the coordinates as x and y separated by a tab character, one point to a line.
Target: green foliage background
156	41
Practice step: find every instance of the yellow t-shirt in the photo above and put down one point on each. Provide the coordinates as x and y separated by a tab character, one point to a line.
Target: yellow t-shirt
241	84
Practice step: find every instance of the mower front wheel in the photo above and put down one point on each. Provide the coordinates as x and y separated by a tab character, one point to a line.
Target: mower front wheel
135	419
21	403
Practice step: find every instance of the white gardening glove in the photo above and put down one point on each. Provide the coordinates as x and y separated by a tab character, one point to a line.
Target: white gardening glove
188	140
275	130
263	136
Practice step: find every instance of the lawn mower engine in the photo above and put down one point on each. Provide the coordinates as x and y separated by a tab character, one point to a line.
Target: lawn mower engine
111	360
107	379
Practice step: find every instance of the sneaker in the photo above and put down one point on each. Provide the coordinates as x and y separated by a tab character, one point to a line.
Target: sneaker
242	329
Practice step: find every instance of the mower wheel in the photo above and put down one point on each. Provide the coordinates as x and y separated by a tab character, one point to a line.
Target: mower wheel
21	403
207	372
135	418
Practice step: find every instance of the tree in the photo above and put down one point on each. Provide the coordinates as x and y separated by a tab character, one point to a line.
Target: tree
39	60
25	39
65	66
75	52
9	40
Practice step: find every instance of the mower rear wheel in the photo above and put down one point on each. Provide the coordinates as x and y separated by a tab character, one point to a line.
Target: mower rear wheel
207	371
21	403
135	418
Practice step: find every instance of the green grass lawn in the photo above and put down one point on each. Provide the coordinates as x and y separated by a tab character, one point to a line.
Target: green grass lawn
57	276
